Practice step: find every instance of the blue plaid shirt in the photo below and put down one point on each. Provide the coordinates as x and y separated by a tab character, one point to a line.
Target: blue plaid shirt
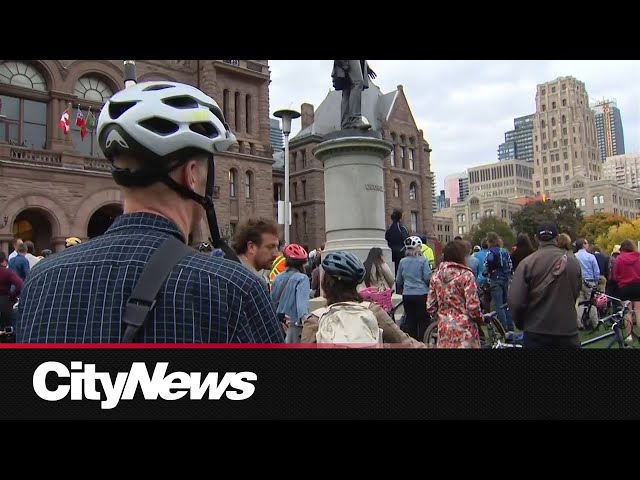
79	295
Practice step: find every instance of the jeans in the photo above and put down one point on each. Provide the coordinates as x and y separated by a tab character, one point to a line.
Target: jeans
293	334
499	288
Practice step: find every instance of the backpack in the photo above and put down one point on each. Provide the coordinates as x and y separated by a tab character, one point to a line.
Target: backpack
347	322
500	261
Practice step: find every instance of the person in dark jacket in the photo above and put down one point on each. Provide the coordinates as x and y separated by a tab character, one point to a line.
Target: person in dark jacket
546	310
395	236
19	264
522	250
10	288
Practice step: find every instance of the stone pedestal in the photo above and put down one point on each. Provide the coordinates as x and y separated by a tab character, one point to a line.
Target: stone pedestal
354	192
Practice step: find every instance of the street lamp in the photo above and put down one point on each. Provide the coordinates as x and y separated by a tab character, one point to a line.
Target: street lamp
286	115
129	73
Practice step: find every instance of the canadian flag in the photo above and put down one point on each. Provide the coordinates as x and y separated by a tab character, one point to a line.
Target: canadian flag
80	122
64	122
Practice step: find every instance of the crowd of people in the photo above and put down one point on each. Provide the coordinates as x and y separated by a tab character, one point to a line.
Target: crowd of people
261	291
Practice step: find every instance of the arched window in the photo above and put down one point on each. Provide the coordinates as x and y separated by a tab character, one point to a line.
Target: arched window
22	75
232	182
95	93
248	184
542	123
25	121
553	121
564	119
247	113
394	140
225	105
92	89
237	112
396	188
412	191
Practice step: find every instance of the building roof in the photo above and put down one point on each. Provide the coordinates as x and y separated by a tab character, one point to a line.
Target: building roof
376	107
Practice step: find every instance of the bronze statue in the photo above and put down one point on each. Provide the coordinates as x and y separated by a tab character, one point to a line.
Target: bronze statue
349	76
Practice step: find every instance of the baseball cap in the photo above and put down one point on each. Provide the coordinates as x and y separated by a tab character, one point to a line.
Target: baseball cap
547	231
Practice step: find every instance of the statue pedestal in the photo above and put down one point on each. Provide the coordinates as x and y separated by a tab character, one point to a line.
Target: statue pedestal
354	192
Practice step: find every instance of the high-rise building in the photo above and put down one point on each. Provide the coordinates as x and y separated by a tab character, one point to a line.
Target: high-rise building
456	187
564	135
442	201
518	143
463	187
512	178
623	169
609	128
276	138
434	204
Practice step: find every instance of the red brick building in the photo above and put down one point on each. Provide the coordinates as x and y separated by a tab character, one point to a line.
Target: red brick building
407	170
53	186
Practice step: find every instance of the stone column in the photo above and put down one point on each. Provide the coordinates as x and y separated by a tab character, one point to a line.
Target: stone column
354	192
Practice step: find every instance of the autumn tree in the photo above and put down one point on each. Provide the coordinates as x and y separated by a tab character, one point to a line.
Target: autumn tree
492	224
563	213
599	224
616	234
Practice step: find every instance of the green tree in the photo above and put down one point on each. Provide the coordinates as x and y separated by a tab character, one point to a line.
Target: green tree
563	213
492	224
599	224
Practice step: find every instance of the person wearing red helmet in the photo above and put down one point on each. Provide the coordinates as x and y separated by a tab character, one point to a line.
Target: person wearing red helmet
290	292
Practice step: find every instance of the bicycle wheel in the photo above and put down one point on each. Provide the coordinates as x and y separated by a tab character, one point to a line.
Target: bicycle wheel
493	332
430	338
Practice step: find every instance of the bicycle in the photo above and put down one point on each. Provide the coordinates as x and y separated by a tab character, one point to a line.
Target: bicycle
495	336
598	300
617	327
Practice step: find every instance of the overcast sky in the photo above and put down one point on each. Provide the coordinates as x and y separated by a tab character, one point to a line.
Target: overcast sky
464	107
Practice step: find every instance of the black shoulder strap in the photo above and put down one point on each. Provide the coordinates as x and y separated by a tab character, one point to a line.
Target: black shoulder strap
143	297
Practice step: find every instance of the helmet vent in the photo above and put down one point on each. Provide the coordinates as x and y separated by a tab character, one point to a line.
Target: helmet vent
159	126
117	109
204	128
181	102
157	87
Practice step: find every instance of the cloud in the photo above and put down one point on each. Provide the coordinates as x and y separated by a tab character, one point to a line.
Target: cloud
465	107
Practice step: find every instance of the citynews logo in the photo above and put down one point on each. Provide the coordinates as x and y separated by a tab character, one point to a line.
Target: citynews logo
83	379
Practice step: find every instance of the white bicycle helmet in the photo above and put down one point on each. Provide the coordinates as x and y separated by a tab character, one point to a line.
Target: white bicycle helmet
161	118
413	242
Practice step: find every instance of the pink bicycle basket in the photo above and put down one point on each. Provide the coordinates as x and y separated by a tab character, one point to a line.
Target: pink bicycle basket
381	297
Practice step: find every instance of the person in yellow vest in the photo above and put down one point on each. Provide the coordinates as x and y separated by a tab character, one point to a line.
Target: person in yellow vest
427	251
278	266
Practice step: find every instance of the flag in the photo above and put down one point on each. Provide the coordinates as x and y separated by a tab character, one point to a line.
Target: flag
64	121
91	121
81	123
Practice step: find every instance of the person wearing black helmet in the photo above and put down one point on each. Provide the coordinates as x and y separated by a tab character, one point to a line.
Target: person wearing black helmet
139	281
343	272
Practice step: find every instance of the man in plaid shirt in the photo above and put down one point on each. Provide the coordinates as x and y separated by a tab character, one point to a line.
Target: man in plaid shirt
160	138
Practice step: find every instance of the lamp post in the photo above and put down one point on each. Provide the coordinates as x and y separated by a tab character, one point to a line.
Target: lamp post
130	73
286	115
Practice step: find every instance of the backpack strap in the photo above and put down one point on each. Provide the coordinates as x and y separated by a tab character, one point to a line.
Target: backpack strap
143	297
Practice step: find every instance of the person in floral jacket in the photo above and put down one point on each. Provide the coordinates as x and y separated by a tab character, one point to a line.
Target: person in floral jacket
453	300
